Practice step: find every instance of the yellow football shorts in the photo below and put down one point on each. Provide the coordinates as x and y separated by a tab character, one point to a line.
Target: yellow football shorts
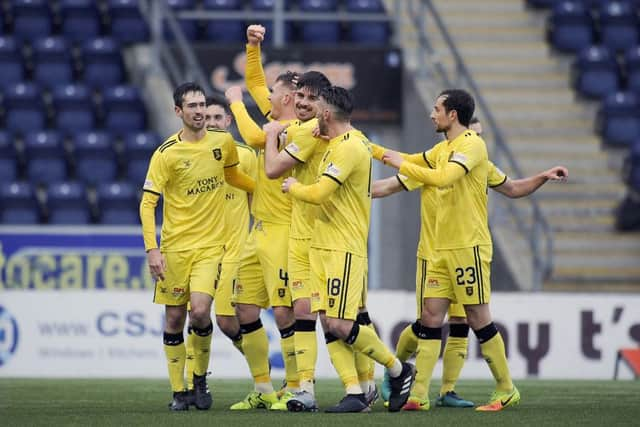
262	275
188	271
299	268
455	310
461	275
340	277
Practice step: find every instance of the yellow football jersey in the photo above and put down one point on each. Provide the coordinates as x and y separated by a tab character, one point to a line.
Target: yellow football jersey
342	222
461	216
190	178
237	204
308	151
428	206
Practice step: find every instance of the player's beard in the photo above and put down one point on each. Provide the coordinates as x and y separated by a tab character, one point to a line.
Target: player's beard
322	125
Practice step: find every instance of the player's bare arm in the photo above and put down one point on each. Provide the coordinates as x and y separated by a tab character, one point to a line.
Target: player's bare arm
525	186
386	187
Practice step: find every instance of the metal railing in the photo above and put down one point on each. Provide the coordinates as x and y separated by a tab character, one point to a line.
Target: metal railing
536	231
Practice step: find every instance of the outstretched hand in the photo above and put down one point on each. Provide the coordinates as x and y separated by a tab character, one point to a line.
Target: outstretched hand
392	158
275	127
557	173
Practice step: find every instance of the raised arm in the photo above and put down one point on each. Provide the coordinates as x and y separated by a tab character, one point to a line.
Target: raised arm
254	73
249	130
525	186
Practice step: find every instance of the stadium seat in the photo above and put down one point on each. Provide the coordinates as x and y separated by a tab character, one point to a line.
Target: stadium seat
24	108
570	27
318	5
31	19
189	26
52	63
124	110
618	25
267	4
73	107
595	73
45	154
138	148
632	69
11	64
118	203
127	23
67	203
18	203
102	62
269	36
542	4
8	158
368	33
95	157
618	120
365	6
317	32
631	168
224	31
80	19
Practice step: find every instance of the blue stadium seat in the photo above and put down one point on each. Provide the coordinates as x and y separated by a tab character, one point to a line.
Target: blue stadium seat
102	62
95	157
24	108
268	4
31	19
595	72
224	31
631	169
45	154
118	203
52	61
67	203
318	5
618	120
316	32
570	26
11	64
268	25
632	69
189	26
368	32
8	158
127	23
80	19
124	110
18	203
73	107
542	4
138	148
365	6
618	25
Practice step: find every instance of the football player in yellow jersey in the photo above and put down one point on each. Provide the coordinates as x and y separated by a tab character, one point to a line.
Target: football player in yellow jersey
218	116
302	155
189	171
338	252
455	351
262	276
460	268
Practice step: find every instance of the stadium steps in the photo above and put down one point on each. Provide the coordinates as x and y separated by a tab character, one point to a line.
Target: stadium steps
527	87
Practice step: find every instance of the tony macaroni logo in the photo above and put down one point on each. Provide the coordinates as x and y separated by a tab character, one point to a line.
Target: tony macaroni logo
8	335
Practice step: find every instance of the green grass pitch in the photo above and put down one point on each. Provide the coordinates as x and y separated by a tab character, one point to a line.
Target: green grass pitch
26	402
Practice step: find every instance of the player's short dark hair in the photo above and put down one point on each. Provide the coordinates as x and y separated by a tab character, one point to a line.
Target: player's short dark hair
460	101
289	79
314	81
219	100
183	89
340	99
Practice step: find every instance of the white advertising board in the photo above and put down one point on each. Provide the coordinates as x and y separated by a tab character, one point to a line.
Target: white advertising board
103	333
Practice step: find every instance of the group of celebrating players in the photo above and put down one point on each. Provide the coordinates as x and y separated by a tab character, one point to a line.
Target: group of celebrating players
309	191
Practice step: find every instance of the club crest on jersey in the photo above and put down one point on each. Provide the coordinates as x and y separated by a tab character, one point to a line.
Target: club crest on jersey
281	292
332	169
217	154
469	290
332	302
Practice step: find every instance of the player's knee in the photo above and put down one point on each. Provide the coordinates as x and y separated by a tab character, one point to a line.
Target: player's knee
229	325
200	316
339	327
